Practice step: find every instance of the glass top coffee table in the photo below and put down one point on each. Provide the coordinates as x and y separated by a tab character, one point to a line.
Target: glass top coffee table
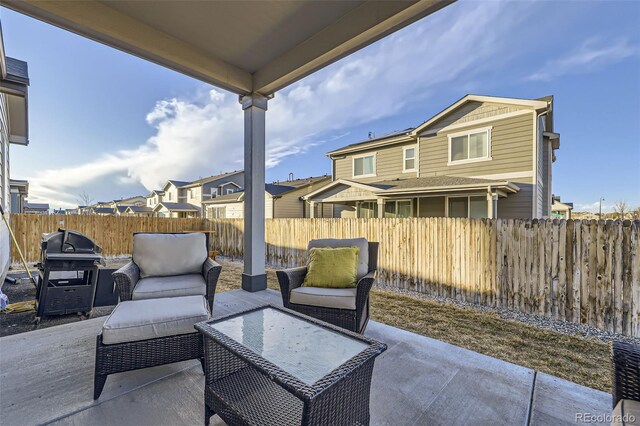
274	366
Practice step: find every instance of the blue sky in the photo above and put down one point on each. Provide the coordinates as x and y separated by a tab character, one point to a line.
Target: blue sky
113	125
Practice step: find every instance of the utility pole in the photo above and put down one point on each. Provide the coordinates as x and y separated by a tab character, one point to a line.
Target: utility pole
600	212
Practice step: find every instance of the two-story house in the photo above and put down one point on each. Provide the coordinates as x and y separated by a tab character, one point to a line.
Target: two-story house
482	157
184	199
282	199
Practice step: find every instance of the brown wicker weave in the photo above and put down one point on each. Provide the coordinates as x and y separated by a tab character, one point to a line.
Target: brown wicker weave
245	389
126	278
625	361
120	357
348	319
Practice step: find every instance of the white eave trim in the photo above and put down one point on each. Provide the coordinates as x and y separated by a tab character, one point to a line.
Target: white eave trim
511	187
341	182
372	145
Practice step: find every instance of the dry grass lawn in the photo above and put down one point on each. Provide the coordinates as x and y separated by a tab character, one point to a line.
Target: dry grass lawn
584	361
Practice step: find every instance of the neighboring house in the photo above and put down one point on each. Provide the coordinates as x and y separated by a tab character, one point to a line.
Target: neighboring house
138	200
282	200
560	210
35	208
59	211
184	199
14	126
483	156
19	190
154	198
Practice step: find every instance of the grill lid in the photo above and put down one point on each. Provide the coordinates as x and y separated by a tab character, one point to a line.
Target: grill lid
68	241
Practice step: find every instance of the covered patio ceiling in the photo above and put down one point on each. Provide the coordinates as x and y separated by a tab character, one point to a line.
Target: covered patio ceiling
241	46
252	48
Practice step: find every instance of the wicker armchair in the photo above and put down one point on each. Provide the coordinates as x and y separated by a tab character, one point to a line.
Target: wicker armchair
351	319
128	278
625	360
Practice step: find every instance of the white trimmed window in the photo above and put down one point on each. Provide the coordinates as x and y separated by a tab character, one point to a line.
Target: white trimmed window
473	207
470	146
230	191
364	165
409	159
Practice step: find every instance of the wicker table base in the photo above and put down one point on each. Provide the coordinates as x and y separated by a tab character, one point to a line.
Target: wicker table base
245	388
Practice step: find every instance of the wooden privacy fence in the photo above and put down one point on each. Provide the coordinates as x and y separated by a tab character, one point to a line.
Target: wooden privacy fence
581	271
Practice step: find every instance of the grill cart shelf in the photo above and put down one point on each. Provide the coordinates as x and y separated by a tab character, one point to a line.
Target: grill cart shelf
68	273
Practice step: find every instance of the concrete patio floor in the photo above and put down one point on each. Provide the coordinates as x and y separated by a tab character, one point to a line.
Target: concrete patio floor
46	377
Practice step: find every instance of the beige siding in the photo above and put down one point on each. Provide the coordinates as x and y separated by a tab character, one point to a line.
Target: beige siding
472	111
268	206
511	150
290	204
517	206
389	164
171	194
431	207
194	195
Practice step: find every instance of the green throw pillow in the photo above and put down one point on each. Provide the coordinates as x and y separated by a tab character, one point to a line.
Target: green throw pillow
332	267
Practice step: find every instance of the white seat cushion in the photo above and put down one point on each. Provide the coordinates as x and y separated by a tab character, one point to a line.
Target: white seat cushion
160	255
135	320
176	286
361	243
340	298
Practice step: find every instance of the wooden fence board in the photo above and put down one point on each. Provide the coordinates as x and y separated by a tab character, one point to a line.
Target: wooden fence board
581	271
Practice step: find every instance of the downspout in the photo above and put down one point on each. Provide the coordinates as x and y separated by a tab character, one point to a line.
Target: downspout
535	160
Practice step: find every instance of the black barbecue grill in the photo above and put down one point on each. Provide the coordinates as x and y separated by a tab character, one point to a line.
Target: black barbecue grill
68	273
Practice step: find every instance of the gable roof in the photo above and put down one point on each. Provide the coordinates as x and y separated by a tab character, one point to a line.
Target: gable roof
408	134
102	210
183	207
533	103
213	178
420	184
36	206
234	197
139	209
302	182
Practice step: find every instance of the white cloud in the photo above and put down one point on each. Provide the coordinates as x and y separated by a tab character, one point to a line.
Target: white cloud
202	135
592	54
594	207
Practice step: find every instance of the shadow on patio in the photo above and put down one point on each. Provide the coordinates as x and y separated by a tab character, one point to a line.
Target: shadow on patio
47	378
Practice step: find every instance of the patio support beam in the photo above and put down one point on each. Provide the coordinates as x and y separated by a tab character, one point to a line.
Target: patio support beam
380	208
312	209
254	277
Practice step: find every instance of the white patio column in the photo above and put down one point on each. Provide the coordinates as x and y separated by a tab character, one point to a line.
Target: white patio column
380	208
312	209
254	277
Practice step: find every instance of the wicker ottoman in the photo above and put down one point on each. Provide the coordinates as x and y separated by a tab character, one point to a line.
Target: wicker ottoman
145	333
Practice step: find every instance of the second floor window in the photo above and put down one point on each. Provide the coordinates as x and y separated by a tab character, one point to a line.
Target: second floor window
364	166
409	160
470	146
229	190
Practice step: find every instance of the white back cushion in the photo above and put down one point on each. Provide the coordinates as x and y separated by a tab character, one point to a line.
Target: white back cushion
161	255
